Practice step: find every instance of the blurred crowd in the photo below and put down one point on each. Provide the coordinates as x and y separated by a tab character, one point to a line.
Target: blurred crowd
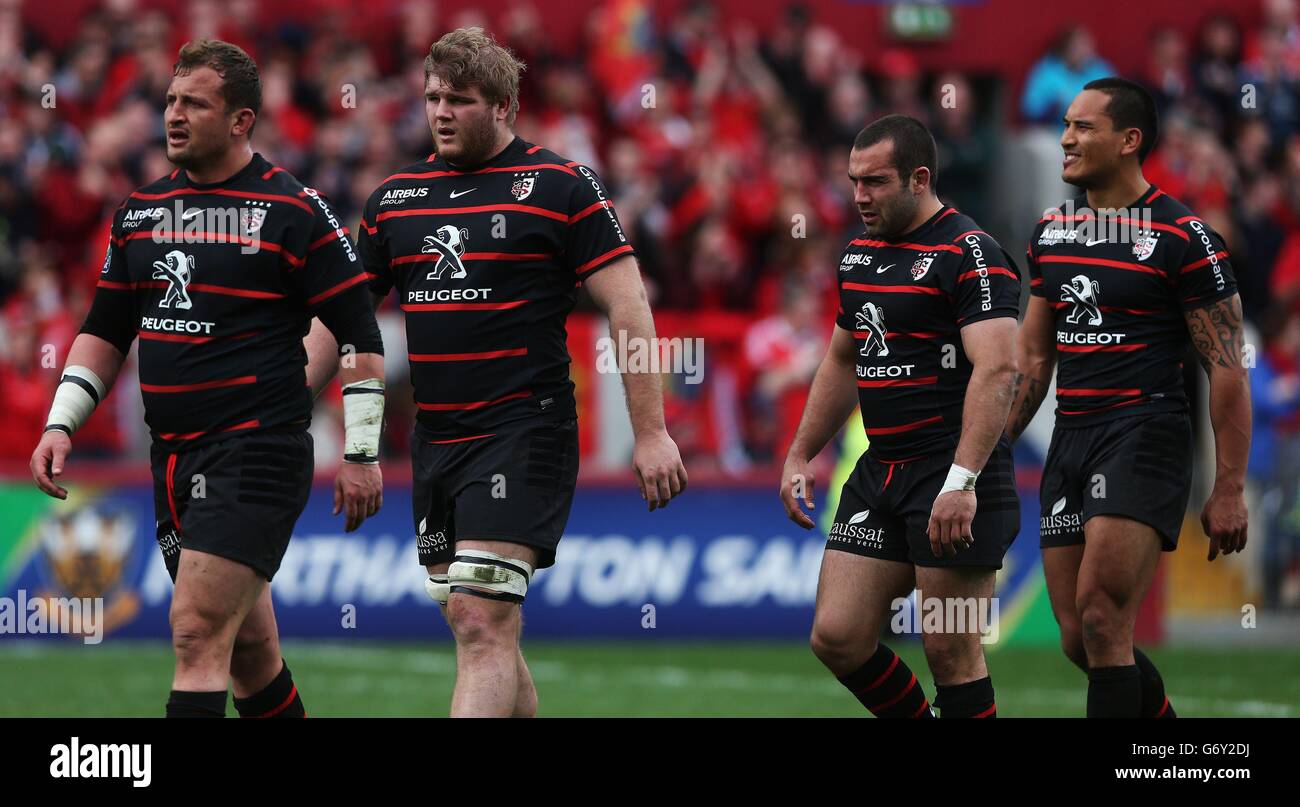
724	150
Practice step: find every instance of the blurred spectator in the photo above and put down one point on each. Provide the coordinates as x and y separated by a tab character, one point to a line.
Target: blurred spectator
1166	73
1215	66
782	352
966	146
1275	453
1274	84
1060	75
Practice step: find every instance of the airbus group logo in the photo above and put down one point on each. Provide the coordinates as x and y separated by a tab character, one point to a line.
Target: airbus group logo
1083	292
177	269
448	243
856	259
871	320
399	196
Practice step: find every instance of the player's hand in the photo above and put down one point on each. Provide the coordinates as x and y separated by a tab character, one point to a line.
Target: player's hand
797	483
950	522
358	490
47	462
1224	520
660	473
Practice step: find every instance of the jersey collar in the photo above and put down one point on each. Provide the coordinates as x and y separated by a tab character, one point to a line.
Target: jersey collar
925	226
512	151
256	166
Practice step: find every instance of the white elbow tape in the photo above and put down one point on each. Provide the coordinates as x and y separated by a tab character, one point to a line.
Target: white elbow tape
959	478
79	392
363	420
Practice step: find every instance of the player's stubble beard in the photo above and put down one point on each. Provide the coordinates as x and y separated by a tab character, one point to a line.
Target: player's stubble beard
197	154
478	136
895	215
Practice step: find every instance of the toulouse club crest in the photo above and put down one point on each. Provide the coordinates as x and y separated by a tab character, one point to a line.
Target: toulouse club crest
921	267
522	188
251	220
1144	246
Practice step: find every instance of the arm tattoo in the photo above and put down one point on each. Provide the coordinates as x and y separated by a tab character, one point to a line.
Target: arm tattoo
1216	333
1026	403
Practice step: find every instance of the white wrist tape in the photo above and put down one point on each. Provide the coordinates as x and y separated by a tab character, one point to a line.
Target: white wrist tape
959	478
363	420
79	392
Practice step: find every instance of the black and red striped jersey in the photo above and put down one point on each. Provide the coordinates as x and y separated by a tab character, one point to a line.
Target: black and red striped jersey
906	301
1118	287
220	281
486	261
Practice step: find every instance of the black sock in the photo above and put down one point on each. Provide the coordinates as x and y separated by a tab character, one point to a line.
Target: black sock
887	687
1115	691
277	699
1154	701
196	704
971	699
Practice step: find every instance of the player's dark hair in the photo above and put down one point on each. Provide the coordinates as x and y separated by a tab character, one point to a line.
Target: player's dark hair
1130	106
241	85
913	145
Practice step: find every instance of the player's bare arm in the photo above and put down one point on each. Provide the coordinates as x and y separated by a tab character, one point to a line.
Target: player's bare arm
322	356
831	401
1216	333
90	360
618	291
990	346
323	352
1035	361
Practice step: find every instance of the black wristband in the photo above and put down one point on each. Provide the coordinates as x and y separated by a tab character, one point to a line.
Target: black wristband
58	427
360	459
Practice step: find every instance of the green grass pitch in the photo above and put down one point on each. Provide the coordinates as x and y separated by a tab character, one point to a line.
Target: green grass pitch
610	679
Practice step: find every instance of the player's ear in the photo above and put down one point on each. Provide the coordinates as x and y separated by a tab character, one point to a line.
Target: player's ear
244	120
920	180
1132	141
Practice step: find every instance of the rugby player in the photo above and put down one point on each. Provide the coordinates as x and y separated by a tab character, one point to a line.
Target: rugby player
1121	279
219	268
924	343
486	242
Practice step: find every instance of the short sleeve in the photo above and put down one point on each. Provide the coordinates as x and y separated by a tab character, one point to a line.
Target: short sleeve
1203	274
1035	271
112	311
373	246
593	236
329	264
986	284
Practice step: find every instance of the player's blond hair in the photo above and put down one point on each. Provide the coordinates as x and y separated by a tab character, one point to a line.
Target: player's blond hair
471	57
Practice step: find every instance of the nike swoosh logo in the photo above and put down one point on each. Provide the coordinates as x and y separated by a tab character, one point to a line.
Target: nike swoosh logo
454	194
885	268
189	214
1093	243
